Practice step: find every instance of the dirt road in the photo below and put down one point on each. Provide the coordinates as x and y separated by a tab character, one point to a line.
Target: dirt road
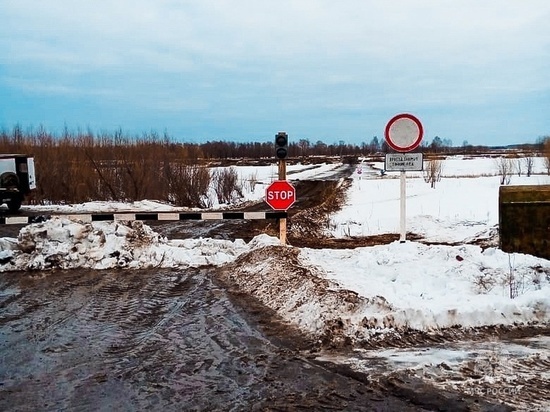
160	340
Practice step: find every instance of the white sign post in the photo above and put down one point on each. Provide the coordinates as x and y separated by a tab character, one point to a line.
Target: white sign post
403	133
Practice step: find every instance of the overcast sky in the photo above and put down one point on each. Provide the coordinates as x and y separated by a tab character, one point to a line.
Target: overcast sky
474	70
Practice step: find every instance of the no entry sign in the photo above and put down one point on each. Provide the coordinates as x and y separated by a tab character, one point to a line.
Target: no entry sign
404	132
280	195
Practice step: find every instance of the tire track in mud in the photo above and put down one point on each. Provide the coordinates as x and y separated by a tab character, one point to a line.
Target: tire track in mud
116	329
150	339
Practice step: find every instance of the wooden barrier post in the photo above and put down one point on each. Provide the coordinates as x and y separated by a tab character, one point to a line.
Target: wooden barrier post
282	221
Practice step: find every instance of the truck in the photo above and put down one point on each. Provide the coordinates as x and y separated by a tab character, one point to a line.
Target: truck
17	179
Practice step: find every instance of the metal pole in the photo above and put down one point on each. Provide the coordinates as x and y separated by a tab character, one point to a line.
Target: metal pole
403	207
282	221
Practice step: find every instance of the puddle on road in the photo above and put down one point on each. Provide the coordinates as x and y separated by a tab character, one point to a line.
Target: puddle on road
452	353
513	371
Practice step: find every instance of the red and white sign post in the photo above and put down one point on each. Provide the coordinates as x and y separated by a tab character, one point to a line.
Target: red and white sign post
403	133
280	195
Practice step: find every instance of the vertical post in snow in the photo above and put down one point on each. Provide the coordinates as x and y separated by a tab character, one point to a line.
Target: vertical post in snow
282	221
403	199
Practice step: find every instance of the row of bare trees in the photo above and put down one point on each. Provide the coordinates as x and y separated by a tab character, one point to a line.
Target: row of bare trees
84	167
298	147
209	150
506	166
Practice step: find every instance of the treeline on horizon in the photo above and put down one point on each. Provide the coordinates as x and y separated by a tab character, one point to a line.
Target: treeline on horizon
18	140
86	166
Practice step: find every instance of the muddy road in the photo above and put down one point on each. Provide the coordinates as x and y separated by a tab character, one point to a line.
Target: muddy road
175	340
159	340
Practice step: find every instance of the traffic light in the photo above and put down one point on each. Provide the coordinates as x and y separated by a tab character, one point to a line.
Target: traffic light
281	145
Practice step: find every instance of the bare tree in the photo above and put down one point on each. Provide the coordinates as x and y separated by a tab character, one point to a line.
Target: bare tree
546	152
432	171
304	147
519	165
505	169
529	164
189	185
226	183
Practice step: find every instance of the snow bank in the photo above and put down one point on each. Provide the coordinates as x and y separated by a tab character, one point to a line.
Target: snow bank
434	287
64	244
387	292
275	277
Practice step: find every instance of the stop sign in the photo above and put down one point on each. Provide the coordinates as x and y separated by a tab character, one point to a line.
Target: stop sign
280	195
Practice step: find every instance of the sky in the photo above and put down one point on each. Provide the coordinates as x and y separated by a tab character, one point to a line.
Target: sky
242	70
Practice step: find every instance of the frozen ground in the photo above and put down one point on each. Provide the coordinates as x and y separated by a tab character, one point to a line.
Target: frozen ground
462	205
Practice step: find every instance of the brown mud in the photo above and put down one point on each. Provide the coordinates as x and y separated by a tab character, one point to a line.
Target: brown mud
168	340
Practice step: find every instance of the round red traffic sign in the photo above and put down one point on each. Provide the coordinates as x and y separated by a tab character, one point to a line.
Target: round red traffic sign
404	132
280	195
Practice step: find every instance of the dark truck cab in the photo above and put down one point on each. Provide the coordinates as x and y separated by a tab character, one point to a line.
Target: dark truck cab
17	179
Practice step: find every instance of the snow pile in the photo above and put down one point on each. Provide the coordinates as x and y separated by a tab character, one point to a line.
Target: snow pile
434	287
275	277
64	244
374	294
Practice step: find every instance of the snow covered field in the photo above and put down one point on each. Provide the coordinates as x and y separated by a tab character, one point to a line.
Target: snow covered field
463	204
423	288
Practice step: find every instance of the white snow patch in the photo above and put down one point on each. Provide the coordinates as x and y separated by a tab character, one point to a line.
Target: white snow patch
64	244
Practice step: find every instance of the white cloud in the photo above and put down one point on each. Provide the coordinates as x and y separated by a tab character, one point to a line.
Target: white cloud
398	30
359	52
36	86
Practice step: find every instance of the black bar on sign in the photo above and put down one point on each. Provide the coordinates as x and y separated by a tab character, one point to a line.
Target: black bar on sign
275	215
147	216
103	218
190	216
2	220
233	215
